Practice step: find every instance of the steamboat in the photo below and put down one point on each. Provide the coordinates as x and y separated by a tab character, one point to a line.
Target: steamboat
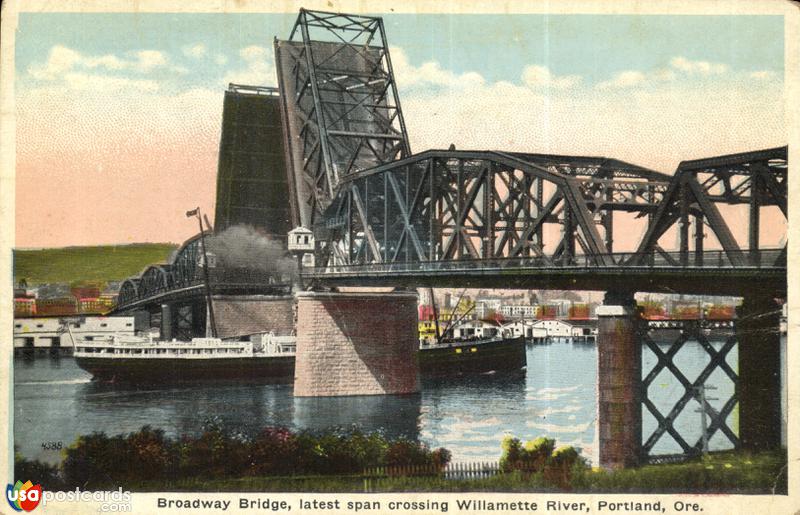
143	359
263	357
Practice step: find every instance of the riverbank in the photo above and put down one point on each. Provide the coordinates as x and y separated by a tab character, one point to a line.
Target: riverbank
348	460
724	473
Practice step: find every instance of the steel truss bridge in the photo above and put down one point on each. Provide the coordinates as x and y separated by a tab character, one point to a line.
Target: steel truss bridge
383	215
182	280
450	217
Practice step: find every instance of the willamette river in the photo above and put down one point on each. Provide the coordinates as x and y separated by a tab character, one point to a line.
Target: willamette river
55	401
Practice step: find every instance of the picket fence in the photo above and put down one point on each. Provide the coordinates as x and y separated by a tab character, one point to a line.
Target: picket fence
461	470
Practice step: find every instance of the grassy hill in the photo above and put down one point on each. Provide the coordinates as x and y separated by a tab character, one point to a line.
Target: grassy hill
87	264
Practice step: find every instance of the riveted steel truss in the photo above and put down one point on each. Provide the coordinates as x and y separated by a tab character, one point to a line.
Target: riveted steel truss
182	279
701	187
690	330
341	107
461	205
453	205
608	185
128	291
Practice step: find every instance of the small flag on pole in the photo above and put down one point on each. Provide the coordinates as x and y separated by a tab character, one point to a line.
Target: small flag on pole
193	212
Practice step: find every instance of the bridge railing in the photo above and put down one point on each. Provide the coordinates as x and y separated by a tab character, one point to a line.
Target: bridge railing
713	259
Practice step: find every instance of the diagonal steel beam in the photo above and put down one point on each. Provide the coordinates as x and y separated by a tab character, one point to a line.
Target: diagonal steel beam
408	228
373	243
540	220
716	222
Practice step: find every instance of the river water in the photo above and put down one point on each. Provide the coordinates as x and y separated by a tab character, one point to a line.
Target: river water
55	401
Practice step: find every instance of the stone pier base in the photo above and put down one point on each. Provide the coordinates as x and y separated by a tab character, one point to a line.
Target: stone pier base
356	344
619	379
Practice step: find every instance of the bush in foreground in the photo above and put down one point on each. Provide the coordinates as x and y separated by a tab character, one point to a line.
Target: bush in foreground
96	460
540	457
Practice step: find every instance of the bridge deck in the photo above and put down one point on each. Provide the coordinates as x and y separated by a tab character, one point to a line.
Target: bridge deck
713	274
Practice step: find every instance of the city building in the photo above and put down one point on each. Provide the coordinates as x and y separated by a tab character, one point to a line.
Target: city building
476	329
554	331
519	311
49	333
24	306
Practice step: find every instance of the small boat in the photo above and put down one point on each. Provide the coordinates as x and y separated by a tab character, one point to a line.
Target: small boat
263	357
479	356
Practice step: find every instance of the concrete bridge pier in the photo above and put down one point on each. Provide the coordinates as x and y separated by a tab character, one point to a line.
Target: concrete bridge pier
759	391
356	344
619	379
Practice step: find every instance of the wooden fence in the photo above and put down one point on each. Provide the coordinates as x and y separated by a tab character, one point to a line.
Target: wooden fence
475	470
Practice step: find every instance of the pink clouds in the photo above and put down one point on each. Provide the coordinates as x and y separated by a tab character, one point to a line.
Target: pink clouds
116	160
99	171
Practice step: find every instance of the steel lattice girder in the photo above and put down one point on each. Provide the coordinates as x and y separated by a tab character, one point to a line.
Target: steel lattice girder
756	178
182	278
341	107
690	330
446	205
128	291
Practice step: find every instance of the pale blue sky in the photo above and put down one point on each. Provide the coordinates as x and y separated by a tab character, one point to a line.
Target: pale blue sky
118	99
496	46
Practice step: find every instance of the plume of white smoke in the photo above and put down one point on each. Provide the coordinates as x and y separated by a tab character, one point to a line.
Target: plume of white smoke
241	246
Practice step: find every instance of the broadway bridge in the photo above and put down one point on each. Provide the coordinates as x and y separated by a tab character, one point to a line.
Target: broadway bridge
328	150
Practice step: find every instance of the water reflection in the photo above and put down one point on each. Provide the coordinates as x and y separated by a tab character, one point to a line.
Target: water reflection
395	415
470	415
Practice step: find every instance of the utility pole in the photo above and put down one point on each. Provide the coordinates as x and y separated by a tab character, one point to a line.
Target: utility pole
196	212
701	392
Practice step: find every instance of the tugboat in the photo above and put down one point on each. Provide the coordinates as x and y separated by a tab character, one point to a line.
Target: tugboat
479	356
446	356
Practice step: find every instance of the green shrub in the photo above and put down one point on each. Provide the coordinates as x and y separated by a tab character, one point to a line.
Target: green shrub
39	473
562	466
273	452
150	451
215	453
512	454
531	458
97	460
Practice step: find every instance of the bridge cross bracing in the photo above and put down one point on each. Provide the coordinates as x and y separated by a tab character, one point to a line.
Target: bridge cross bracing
384	216
380	212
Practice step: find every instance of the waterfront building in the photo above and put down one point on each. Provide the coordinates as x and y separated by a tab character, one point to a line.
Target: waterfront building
427	330
476	329
57	306
48	333
24	300
24	307
518	328
584	331
557	331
